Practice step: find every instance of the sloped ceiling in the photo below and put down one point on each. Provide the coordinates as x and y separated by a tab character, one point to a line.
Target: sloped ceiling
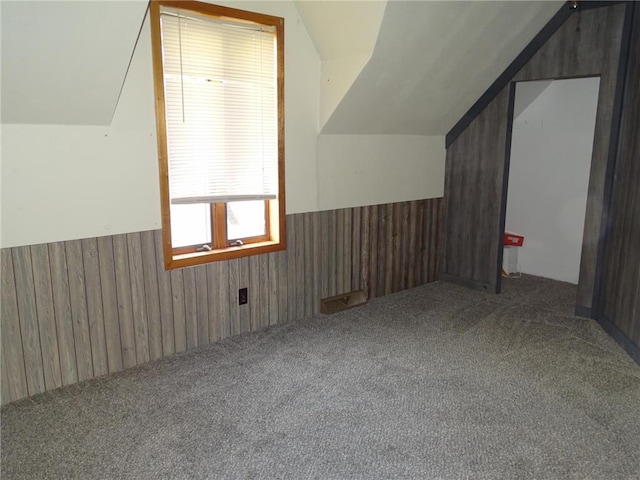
432	61
64	62
392	67
344	34
342	28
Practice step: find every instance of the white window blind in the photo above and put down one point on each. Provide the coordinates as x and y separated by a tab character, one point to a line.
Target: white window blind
220	88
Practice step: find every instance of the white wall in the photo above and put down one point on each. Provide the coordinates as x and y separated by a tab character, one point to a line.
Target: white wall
69	182
37	85
549	174
356	170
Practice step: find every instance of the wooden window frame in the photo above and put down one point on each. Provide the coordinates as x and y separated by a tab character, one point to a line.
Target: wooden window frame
275	237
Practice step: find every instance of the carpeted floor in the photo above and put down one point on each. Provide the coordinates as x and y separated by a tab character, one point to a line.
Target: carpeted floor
434	382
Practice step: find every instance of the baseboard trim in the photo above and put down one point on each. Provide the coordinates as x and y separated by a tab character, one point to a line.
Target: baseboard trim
582	311
464	282
625	342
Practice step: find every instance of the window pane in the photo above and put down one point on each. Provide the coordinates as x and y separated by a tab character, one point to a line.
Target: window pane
245	219
221	105
190	225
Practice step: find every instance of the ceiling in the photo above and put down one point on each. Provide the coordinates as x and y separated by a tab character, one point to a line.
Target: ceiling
342	29
396	67
64	62
432	61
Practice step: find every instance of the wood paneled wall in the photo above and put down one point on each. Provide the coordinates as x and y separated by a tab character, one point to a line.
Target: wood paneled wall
473	190
587	44
621	294
80	309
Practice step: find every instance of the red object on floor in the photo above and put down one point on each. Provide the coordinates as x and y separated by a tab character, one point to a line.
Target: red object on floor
513	239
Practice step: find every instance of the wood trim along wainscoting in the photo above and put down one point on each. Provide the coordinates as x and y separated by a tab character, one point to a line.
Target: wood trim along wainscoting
81	309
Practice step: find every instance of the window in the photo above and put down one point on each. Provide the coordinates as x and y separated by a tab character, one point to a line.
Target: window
219	83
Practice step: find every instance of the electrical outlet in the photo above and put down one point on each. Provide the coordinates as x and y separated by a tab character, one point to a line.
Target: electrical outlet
243	296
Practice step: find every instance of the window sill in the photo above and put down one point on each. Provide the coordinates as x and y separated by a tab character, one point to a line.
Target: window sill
199	258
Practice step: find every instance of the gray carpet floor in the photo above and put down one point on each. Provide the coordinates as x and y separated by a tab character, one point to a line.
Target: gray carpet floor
433	382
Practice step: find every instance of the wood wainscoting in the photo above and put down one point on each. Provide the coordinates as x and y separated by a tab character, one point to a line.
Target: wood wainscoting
620	302
80	309
586	44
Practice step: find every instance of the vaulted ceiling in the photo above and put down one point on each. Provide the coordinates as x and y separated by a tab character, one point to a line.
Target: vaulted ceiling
396	67
431	61
64	62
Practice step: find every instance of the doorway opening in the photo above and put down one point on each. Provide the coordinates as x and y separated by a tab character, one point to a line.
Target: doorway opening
549	167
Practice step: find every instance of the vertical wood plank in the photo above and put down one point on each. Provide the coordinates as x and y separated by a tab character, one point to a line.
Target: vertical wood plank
411	259
224	299
138	301
46	316
234	308
387	261
78	301
437	239
190	306
340	253
63	316
300	265
317	270
428	249
12	350
109	303
308	264
292	288
283	286
404	245
474	183
373	251
346	249
420	275
28	319
626	314
434	220
393	261
332	254
264	284
356	249
253	282
218	301
125	306
383	252
450	200
324	254
166	298
273	291
366	249
202	302
179	314
151	292
94	306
